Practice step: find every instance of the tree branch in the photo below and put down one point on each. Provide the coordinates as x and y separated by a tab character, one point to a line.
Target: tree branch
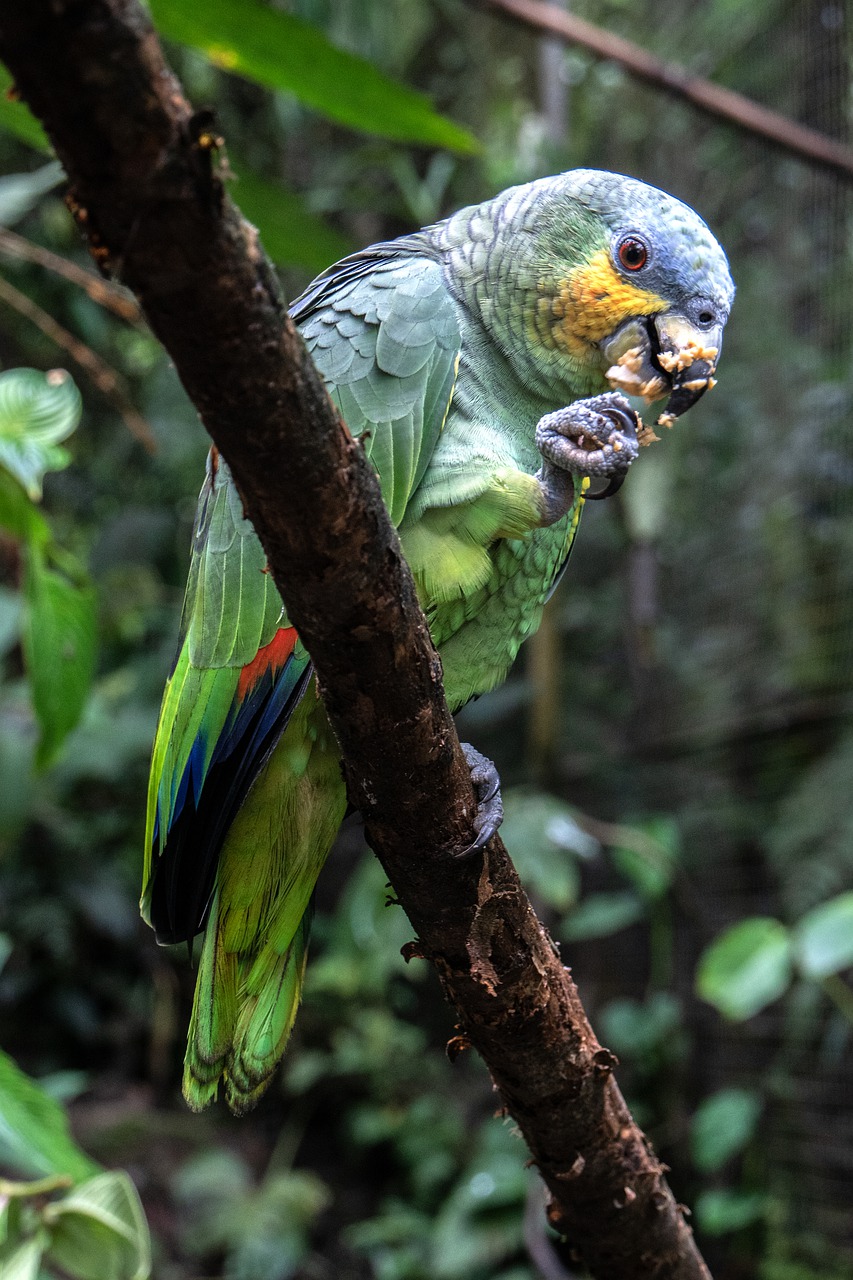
146	192
735	108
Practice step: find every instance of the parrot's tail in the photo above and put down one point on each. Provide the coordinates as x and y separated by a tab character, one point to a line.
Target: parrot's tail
252	960
242	1016
267	1013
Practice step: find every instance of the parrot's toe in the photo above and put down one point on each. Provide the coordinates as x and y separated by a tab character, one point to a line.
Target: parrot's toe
490	809
596	437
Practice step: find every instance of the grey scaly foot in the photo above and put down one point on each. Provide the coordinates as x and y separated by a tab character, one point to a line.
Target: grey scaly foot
595	437
487	788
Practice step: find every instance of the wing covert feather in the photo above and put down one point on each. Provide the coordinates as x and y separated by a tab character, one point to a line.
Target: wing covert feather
232	608
386	341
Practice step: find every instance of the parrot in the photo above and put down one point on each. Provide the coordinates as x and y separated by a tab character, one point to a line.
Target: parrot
485	362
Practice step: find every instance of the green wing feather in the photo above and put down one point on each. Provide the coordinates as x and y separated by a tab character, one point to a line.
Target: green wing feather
384	334
386	341
231	609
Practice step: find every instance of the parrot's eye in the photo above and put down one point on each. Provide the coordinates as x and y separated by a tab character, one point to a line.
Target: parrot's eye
632	254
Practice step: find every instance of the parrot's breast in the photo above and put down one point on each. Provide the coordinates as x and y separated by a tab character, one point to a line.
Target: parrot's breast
478	636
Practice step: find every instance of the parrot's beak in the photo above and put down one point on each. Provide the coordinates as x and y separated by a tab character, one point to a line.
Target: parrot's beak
655	355
689	356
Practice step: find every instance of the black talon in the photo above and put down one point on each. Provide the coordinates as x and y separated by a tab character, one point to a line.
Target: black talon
608	491
490	809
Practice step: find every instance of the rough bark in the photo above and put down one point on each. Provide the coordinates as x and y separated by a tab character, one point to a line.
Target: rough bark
146	192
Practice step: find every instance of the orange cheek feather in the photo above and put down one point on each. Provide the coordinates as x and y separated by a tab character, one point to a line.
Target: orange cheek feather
593	301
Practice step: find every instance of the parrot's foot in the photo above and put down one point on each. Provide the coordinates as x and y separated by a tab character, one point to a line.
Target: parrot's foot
490	808
595	437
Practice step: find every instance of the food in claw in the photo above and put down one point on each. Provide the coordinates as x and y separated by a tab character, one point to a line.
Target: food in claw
472	359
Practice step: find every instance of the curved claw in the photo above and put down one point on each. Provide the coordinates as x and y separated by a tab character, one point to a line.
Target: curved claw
490	809
614	485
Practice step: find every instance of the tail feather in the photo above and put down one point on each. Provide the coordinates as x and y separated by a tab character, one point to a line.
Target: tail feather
265	1020
214	1016
256	934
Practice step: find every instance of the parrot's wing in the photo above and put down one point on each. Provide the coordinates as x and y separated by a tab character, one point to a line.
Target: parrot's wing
239	672
384	333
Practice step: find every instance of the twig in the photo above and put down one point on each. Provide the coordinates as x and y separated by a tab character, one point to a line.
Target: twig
104	292
153	206
101	374
736	108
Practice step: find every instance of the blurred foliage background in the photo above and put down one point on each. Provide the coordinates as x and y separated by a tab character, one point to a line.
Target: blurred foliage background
676	745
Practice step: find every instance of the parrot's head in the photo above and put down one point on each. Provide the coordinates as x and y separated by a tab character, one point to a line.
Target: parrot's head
650	297
617	283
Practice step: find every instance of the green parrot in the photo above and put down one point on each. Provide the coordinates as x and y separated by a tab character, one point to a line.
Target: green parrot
483	362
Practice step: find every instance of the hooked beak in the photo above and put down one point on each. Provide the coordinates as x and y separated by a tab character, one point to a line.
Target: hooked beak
667	353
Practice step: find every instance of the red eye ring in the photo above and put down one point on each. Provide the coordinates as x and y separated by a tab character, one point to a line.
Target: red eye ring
633	254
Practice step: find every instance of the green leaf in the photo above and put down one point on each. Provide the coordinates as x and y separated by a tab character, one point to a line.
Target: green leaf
34	1135
98	1231
643	1030
543	835
721	1211
59	651
21	192
650	862
722	1126
823	939
746	967
17	119
284	52
37	410
22	1262
291	234
479	1224
600	915
18	515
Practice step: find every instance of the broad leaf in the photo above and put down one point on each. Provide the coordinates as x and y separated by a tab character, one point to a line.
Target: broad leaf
643	1030
720	1211
34	1135
823	939
17	119
600	915
37	411
284	52
17	513
59	651
746	967
543	835
291	234
98	1231
22	1262
722	1126
652	861
21	192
